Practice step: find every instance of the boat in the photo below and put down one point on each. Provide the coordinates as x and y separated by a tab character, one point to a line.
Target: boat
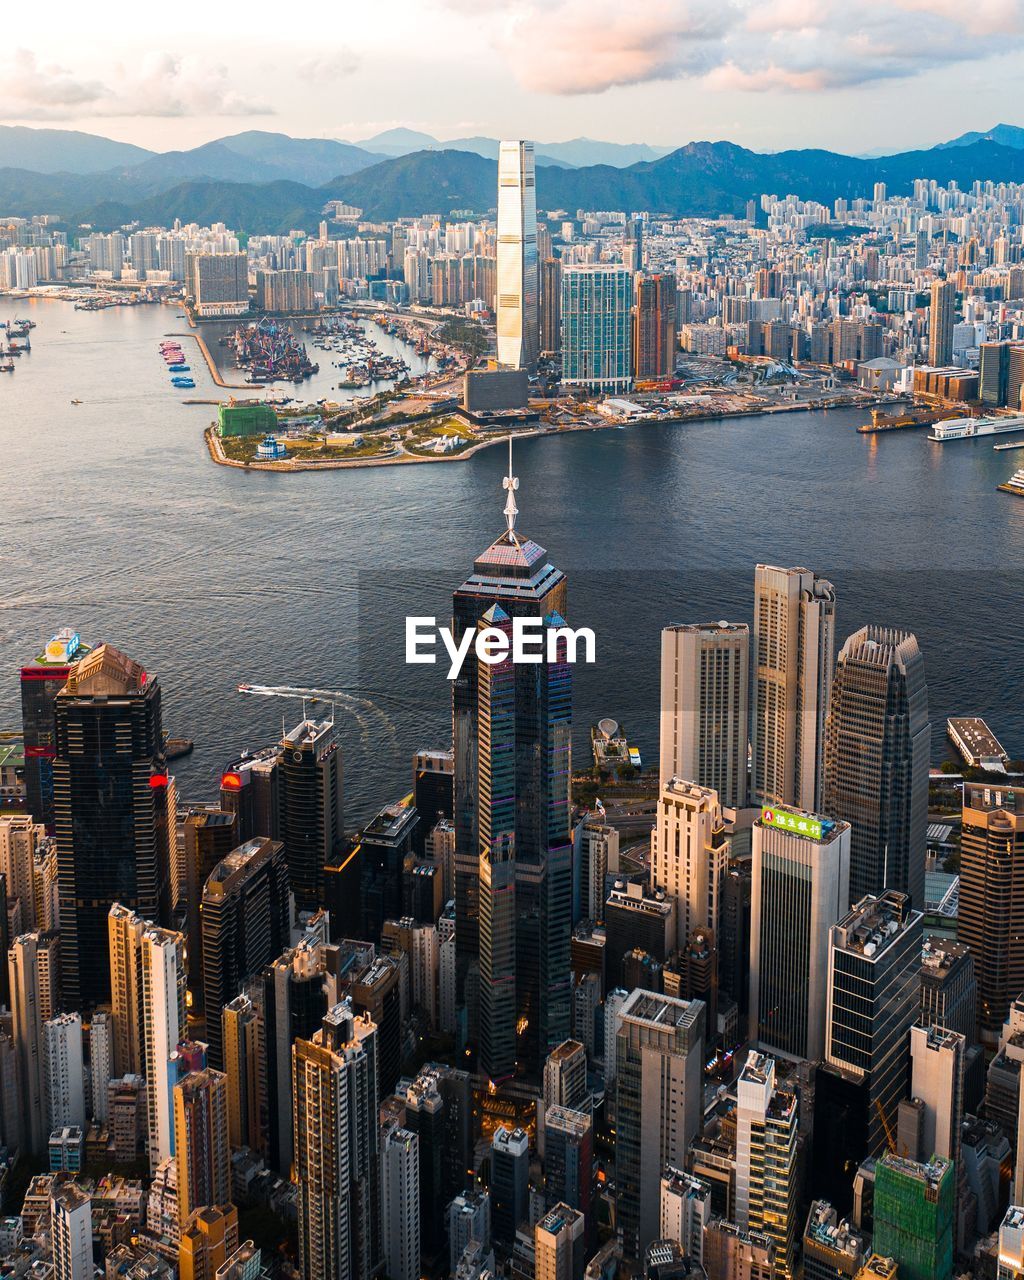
76	402
1015	484
969	428
7	366
1010	444
179	368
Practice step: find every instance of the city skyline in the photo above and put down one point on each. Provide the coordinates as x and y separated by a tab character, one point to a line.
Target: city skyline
759	74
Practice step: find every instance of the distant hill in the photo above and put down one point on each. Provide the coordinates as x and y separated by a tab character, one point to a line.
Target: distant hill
577	152
702	178
63	150
1006	135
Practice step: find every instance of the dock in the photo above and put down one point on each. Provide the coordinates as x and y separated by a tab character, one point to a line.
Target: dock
976	742
1017	489
906	421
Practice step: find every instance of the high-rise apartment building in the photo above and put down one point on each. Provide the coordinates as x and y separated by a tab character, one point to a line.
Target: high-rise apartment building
244	1055
559	1244
767	1185
705	674
938	1058
551	306
941	315
800	887
207	1240
65	1076
33	968
513	877
337	1170
111	807
165	1026
400	1202
71	1231
877	759
793	656
565	1076
219	283
690	854
245	925
597	327
659	1070
516	307
685	1210
654	327
311	810
201	1146
991	917
1010	1255
21	843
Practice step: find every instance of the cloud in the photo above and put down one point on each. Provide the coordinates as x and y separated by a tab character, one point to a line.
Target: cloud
159	85
327	68
570	47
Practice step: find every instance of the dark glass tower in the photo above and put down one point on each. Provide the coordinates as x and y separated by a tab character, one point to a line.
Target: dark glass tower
41	681
877	743
110	808
311	818
511	729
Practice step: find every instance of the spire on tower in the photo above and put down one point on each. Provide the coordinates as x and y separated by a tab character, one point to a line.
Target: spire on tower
510	484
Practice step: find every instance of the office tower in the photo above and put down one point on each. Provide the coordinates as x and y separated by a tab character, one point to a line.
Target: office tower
793	656
832	1250
877	758
560	1245
65	1074
569	1170
767	1188
914	1211
162	959
800	887
654	328
101	1064
949	989
637	922
201	1146
565	1076
110	807
207	836
21	841
1010	1255
991	918
245	925
433	785
249	791
937	1080
659	1068
208	1239
400	1202
516	308
379	989
33	969
873	1000
511	725
510	1183
551	306
334	1110
597	328
731	1253
704	681
71	1232
941	313
469	1220
438	1109
311	816
386	842
685	1210
994	374
633	245
41	681
1015	377
690	854
244	1058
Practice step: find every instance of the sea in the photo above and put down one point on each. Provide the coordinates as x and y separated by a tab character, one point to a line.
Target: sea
114	520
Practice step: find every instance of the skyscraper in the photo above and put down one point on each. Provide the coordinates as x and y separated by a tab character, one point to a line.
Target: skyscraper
311	813
551	306
517	310
71	1227
767	1186
941	315
801	868
245	1068
400	1202
511	728
991	919
560	1245
110	807
633	245
690	854
597	327
162	959
937	1081
334	1118
65	1078
914	1212
654	327
201	1146
878	742
659	1070
510	1183
33	968
793	655
245	925
704	683
41	680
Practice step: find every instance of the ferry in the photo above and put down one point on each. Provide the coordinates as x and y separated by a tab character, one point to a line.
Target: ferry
1015	484
969	428
1010	444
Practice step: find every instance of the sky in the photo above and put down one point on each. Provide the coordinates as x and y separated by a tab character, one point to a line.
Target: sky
850	75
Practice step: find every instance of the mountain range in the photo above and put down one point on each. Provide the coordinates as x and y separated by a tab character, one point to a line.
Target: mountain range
269	182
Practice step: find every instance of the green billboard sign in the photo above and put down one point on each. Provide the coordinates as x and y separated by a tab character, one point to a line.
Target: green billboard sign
798	823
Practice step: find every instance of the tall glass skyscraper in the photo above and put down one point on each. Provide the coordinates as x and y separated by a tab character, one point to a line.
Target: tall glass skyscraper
511	729
597	327
518	317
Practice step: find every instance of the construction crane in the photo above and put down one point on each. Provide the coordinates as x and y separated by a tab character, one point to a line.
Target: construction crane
890	1137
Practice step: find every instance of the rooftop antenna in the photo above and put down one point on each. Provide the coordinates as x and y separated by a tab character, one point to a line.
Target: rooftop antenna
510	484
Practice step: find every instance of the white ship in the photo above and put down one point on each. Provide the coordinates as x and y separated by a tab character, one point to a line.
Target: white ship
1015	484
968	428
